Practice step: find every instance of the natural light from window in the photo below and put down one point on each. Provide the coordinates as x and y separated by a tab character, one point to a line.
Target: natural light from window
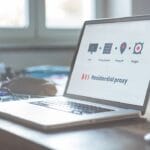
68	13
13	13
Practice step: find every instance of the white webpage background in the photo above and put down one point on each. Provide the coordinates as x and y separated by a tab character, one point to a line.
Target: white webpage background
138	74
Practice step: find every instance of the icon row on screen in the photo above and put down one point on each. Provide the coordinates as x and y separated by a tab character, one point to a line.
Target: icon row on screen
108	47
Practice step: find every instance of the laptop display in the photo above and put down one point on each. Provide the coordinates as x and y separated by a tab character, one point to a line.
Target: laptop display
113	62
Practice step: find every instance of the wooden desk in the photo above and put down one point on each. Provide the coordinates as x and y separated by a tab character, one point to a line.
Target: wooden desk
119	135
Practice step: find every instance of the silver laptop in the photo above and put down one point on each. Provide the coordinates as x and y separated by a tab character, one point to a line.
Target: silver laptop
109	79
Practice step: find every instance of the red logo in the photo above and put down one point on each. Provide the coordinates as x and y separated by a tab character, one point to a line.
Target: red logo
85	76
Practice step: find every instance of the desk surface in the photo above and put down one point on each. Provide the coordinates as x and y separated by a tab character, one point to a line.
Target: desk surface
118	135
115	136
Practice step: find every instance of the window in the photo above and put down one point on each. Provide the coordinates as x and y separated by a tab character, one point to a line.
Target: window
62	20
13	13
68	13
48	22
15	22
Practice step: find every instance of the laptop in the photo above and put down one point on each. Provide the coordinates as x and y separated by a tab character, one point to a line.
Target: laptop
109	79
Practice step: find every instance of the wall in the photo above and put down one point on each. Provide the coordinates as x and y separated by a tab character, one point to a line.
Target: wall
22	58
140	7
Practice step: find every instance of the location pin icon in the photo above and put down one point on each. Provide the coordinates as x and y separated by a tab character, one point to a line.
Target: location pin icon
123	47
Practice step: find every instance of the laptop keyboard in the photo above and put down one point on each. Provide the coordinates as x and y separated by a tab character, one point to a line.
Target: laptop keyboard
70	107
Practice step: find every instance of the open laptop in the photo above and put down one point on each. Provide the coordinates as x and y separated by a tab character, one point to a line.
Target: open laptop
109	79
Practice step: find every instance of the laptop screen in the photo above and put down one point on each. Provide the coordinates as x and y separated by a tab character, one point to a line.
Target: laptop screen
113	62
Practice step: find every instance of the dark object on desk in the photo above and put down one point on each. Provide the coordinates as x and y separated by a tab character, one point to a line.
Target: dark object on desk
31	86
9	74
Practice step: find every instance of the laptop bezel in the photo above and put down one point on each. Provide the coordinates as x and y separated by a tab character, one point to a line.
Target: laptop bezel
102	101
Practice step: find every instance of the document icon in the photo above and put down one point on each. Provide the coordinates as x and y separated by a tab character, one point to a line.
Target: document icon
107	48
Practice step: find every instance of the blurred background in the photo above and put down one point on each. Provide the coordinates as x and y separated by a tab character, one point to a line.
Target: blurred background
46	32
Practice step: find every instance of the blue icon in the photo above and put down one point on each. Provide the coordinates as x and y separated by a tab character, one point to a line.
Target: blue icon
93	47
107	48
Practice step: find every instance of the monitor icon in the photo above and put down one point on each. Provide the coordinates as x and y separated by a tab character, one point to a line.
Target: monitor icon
92	47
